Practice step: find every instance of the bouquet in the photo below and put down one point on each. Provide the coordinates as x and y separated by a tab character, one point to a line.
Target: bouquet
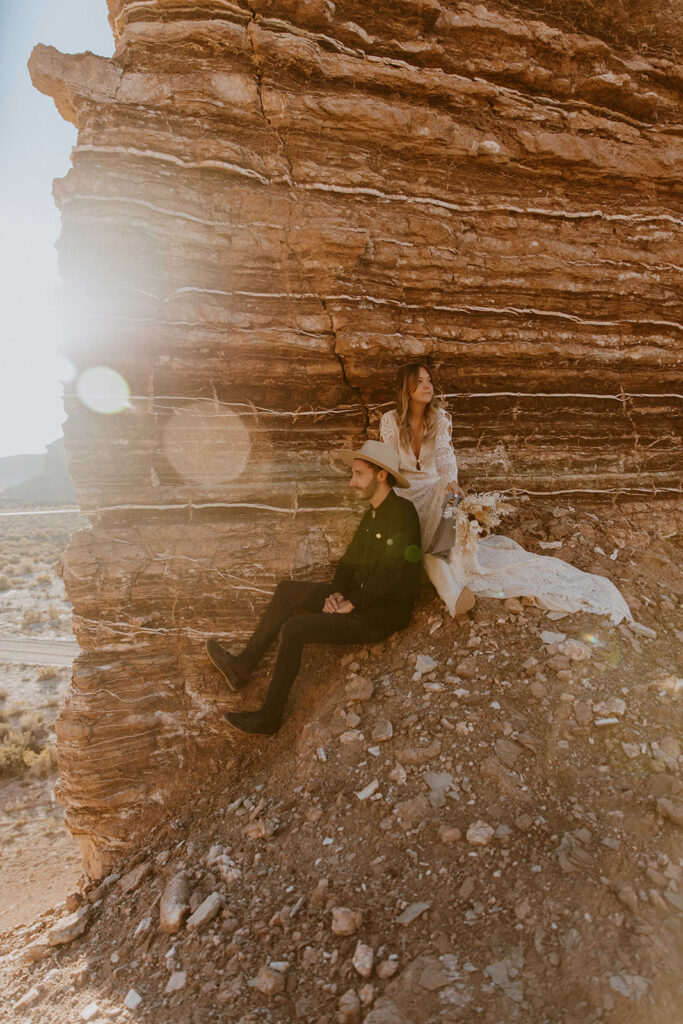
475	516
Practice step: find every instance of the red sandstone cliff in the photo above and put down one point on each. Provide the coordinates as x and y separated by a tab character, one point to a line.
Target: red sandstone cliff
271	206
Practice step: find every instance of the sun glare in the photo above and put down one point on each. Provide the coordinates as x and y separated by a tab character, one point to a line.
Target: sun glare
103	390
207	445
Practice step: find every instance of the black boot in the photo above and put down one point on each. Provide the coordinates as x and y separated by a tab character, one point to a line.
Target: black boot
235	674
253	723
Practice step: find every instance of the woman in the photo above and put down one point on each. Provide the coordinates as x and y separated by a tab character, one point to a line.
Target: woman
419	429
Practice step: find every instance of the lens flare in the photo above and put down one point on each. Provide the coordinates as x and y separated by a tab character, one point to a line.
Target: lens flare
207	445
591	638
103	390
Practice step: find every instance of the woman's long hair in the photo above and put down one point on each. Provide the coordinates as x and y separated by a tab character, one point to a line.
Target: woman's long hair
406	379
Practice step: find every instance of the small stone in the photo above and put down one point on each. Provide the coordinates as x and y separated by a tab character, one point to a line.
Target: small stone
671	809
449	834
382	731
386	969
548	637
69	928
363	959
467	669
575	650
583	713
638	627
367	994
522	910
479	834
423	664
412	912
281	966
174	905
28	999
538	689
369	790
626	894
433	977
351	736
132	1000
349	1007
513	605
177	981
631	749
205	912
508	751
359	689
132	880
612	707
268	982
89	1011
411	812
346	921
439	784
35	951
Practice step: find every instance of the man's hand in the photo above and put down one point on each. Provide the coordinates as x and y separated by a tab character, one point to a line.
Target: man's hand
336	604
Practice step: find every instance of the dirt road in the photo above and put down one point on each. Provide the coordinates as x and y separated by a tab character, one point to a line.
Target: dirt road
37	652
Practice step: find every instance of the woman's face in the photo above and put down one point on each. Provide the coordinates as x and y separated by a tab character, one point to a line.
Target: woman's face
423	389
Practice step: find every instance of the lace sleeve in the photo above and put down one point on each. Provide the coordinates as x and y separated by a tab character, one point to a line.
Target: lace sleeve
388	431
446	464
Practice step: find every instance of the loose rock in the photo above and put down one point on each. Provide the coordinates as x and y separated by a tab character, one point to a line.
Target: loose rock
346	921
363	959
479	833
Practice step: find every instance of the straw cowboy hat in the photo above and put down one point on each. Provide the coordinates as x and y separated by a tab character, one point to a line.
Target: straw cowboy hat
379	454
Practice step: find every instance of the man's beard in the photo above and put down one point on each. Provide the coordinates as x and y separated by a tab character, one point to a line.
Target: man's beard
365	493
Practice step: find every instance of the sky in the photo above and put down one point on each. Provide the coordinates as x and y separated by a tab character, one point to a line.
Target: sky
35	147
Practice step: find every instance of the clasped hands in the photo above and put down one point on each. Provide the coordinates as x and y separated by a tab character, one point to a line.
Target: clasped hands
337	603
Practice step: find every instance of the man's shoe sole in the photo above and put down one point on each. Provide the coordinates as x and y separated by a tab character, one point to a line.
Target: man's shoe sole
247	732
235	684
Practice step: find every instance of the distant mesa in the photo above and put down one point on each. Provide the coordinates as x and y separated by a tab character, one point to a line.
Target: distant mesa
36	479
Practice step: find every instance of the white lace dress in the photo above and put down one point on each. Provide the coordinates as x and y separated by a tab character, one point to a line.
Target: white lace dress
496	566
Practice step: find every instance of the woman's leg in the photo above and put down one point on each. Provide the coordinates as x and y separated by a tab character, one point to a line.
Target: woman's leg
449	581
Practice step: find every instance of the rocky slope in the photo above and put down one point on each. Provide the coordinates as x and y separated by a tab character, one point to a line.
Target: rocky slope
476	821
271	206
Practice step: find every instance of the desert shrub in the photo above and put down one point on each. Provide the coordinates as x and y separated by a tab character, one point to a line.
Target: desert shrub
31	617
53	613
23	745
42	764
3	693
4	582
25	568
46	672
44	577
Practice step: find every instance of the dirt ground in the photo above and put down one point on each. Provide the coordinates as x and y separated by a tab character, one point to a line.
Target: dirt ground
493	835
39	860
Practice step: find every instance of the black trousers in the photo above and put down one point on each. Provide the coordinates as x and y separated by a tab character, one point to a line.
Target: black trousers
295	613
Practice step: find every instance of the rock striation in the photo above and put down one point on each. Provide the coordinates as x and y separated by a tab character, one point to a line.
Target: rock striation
271	206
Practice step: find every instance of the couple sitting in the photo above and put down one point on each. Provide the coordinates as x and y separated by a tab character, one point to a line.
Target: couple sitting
377	580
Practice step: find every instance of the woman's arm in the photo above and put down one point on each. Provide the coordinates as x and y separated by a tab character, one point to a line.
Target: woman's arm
446	463
388	430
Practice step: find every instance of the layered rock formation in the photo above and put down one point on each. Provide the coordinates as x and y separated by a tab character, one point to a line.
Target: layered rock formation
271	206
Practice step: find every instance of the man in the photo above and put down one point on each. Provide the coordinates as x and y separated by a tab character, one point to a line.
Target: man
371	596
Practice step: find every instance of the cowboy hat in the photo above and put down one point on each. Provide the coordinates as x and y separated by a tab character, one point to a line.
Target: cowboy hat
378	454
